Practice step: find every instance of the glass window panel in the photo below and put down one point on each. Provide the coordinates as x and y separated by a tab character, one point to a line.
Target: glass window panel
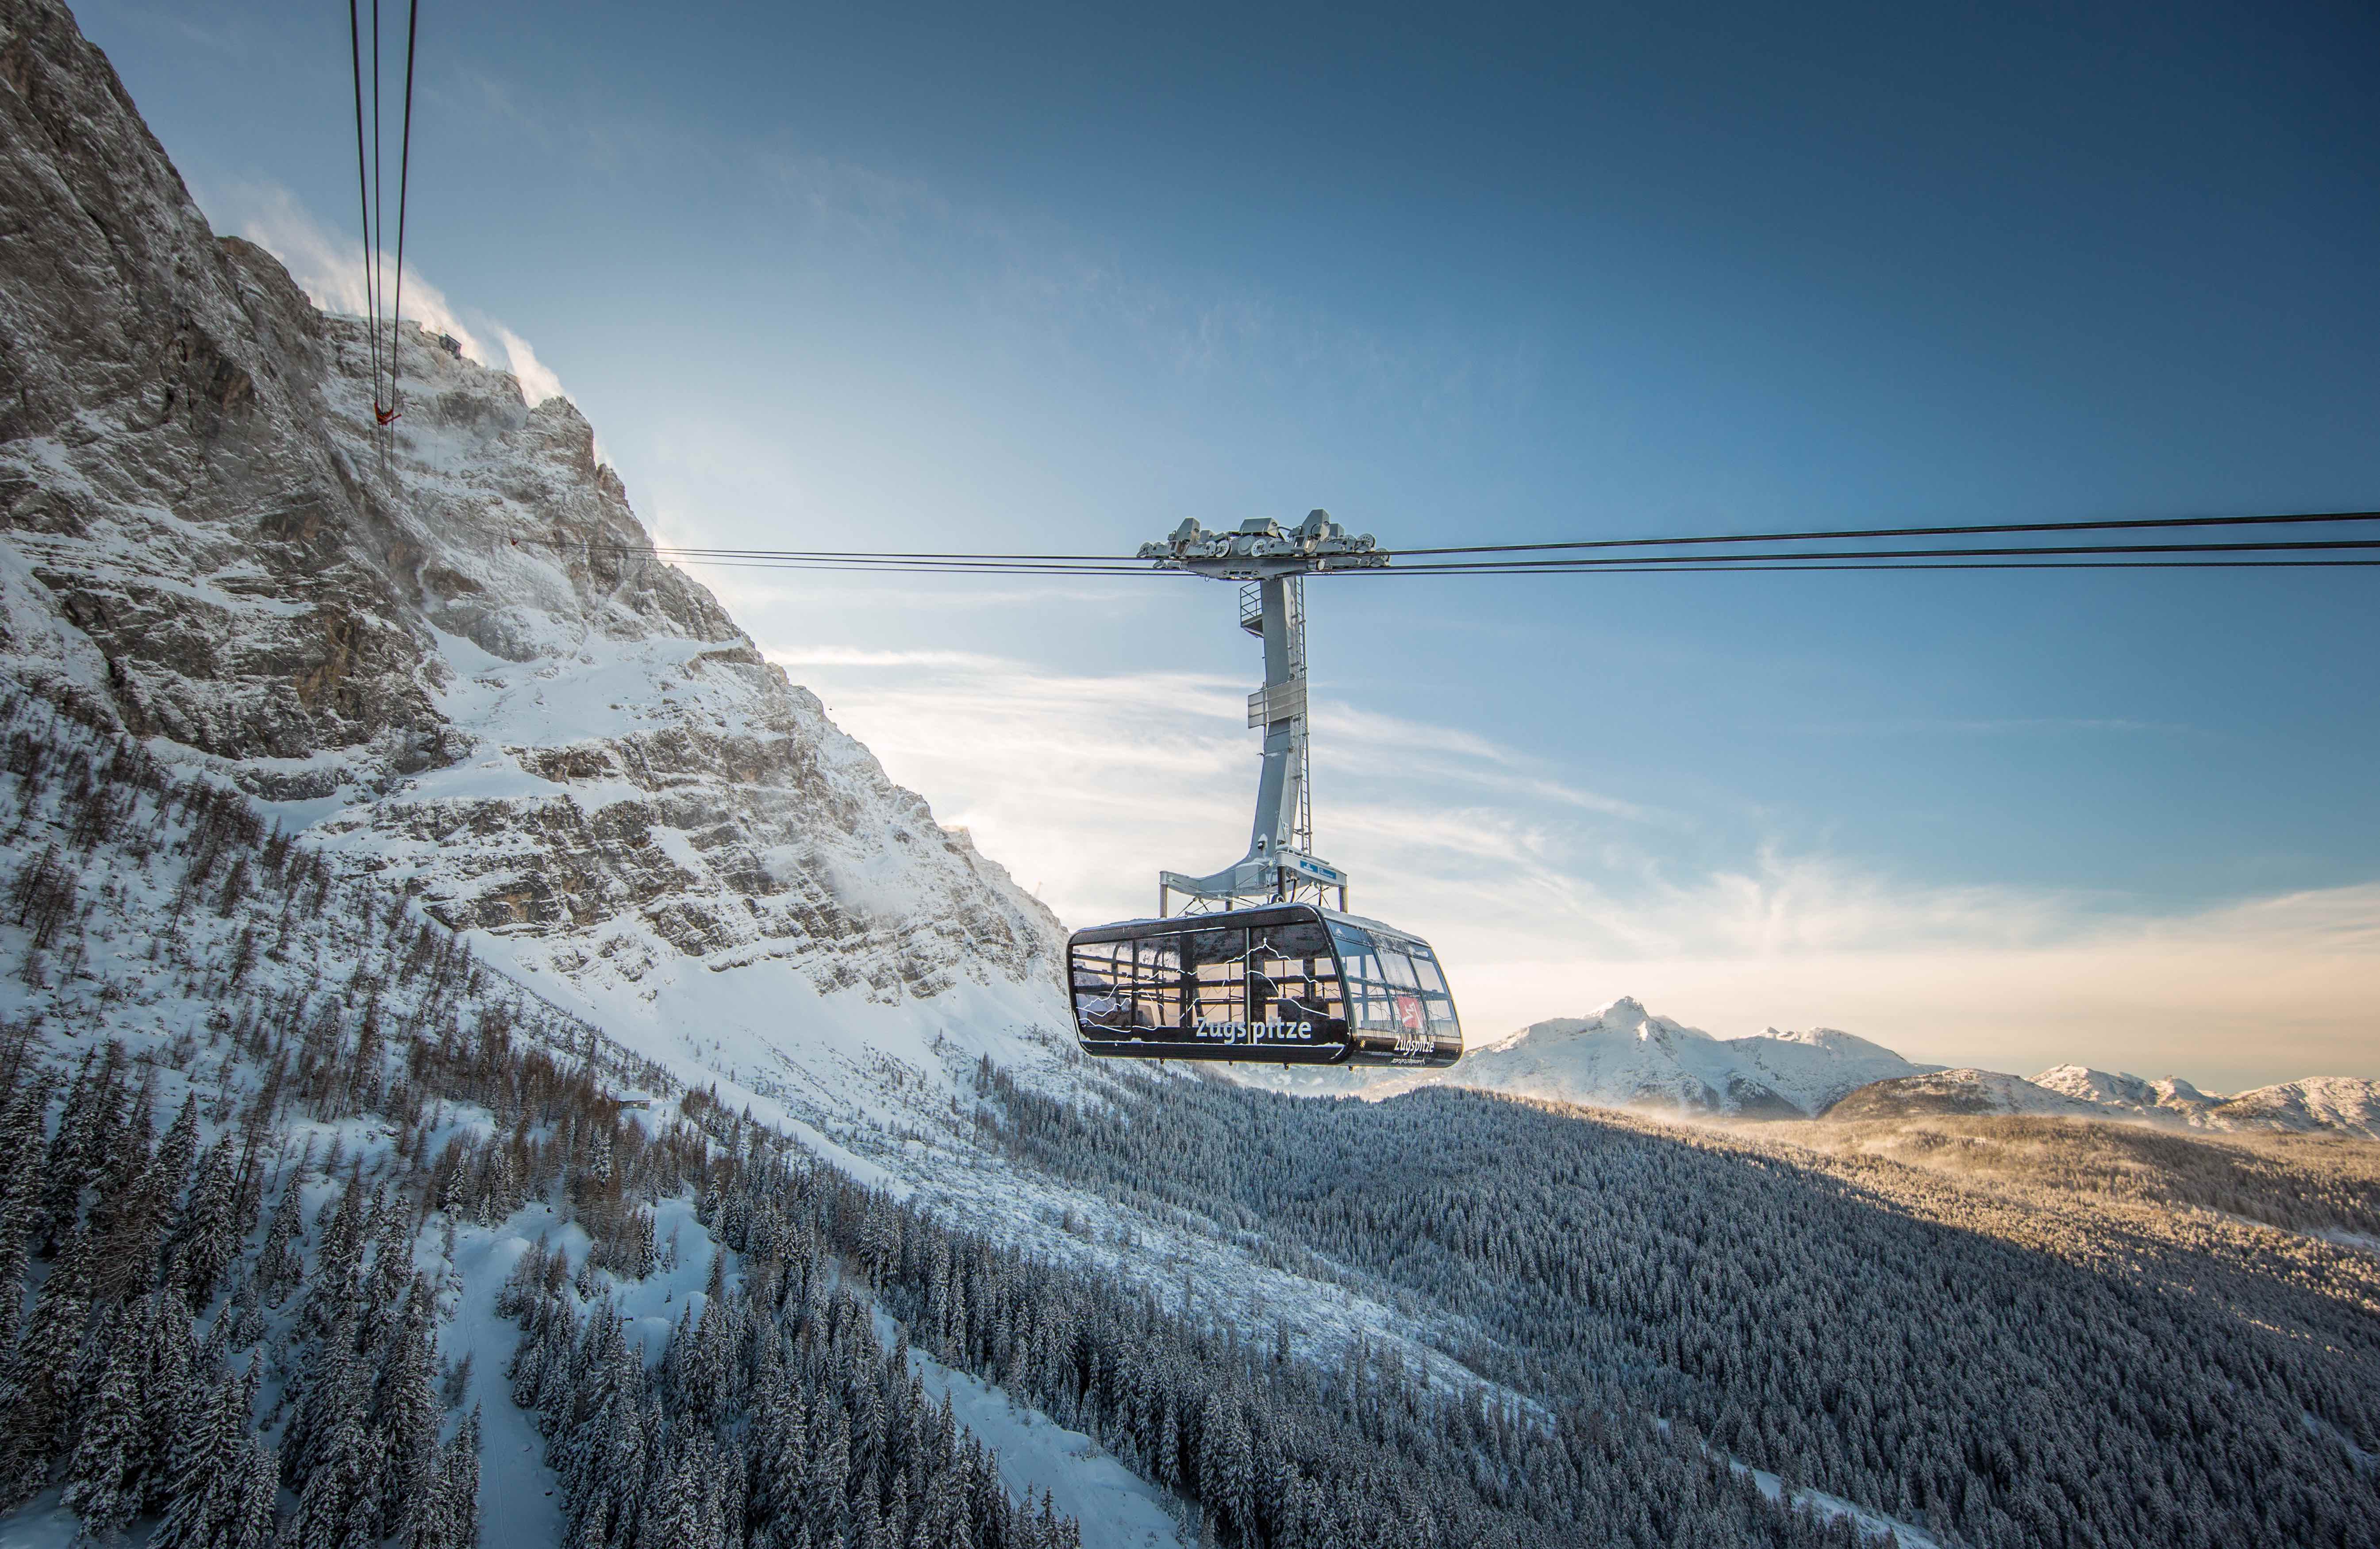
1214	945
1301	939
1293	989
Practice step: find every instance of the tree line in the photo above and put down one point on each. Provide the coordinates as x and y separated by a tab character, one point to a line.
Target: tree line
1806	1321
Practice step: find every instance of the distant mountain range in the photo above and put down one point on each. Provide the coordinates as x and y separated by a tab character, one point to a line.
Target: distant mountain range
1624	1055
2346	1104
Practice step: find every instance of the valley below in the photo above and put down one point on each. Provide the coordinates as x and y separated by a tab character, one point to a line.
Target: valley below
484	1058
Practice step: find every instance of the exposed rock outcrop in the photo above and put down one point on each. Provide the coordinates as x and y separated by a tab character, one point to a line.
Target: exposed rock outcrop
446	648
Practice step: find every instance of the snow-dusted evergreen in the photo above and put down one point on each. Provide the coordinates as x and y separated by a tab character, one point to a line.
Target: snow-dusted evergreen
1996	1372
447	649
483	1058
229	1326
244	1325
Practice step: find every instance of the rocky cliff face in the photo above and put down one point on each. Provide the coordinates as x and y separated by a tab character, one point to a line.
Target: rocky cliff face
446	648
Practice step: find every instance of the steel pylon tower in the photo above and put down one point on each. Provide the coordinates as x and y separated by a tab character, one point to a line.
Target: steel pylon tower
1271	563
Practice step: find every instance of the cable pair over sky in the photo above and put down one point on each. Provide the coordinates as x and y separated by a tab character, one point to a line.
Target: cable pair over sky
1643	556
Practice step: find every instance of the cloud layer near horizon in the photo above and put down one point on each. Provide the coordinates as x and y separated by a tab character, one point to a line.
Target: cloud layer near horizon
1547	900
330	270
1547	897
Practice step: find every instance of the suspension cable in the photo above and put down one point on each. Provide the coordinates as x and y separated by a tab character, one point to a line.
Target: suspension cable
1960	556
404	171
1968	531
363	192
2027	551
385	362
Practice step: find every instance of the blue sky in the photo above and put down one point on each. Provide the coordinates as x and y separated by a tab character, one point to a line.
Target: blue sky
958	277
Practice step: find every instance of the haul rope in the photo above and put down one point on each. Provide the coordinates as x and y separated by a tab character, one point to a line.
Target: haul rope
383	361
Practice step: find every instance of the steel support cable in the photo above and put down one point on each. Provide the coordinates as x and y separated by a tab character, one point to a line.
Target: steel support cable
363	191
874	568
1623	567
1968	531
379	221
948	563
1631	567
757	557
404	173
1119	561
384	362
1687	561
693	552
762	559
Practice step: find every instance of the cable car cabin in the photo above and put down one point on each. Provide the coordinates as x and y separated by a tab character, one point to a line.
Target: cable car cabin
1283	984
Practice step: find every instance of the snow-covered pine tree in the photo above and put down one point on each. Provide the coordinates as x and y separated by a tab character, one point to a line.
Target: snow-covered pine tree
78	1147
42	1373
204	1238
406	1417
206	1462
103	1481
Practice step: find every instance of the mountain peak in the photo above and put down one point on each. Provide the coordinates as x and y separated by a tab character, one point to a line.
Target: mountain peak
1622	1053
445	649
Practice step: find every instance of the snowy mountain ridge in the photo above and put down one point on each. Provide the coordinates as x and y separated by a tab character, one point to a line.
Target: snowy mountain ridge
446	650
2344	1105
2170	1095
1622	1055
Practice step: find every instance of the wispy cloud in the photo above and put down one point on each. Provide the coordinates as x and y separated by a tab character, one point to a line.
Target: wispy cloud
537	380
1549	899
854	656
330	270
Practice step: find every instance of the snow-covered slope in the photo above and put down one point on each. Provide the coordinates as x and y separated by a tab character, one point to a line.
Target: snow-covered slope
1960	1091
1622	1055
2168	1098
1813	1068
448	650
2346	1104
1619	1054
319	1042
2349	1104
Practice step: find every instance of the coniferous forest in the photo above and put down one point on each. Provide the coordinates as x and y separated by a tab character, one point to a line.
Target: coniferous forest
258	1117
1990	1366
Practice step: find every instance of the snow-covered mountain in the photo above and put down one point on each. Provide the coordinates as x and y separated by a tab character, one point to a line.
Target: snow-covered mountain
1961	1091
1624	1055
2342	1104
1813	1068
2166	1097
2348	1104
447	649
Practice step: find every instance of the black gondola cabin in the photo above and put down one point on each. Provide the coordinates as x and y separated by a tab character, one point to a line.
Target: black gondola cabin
1283	984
